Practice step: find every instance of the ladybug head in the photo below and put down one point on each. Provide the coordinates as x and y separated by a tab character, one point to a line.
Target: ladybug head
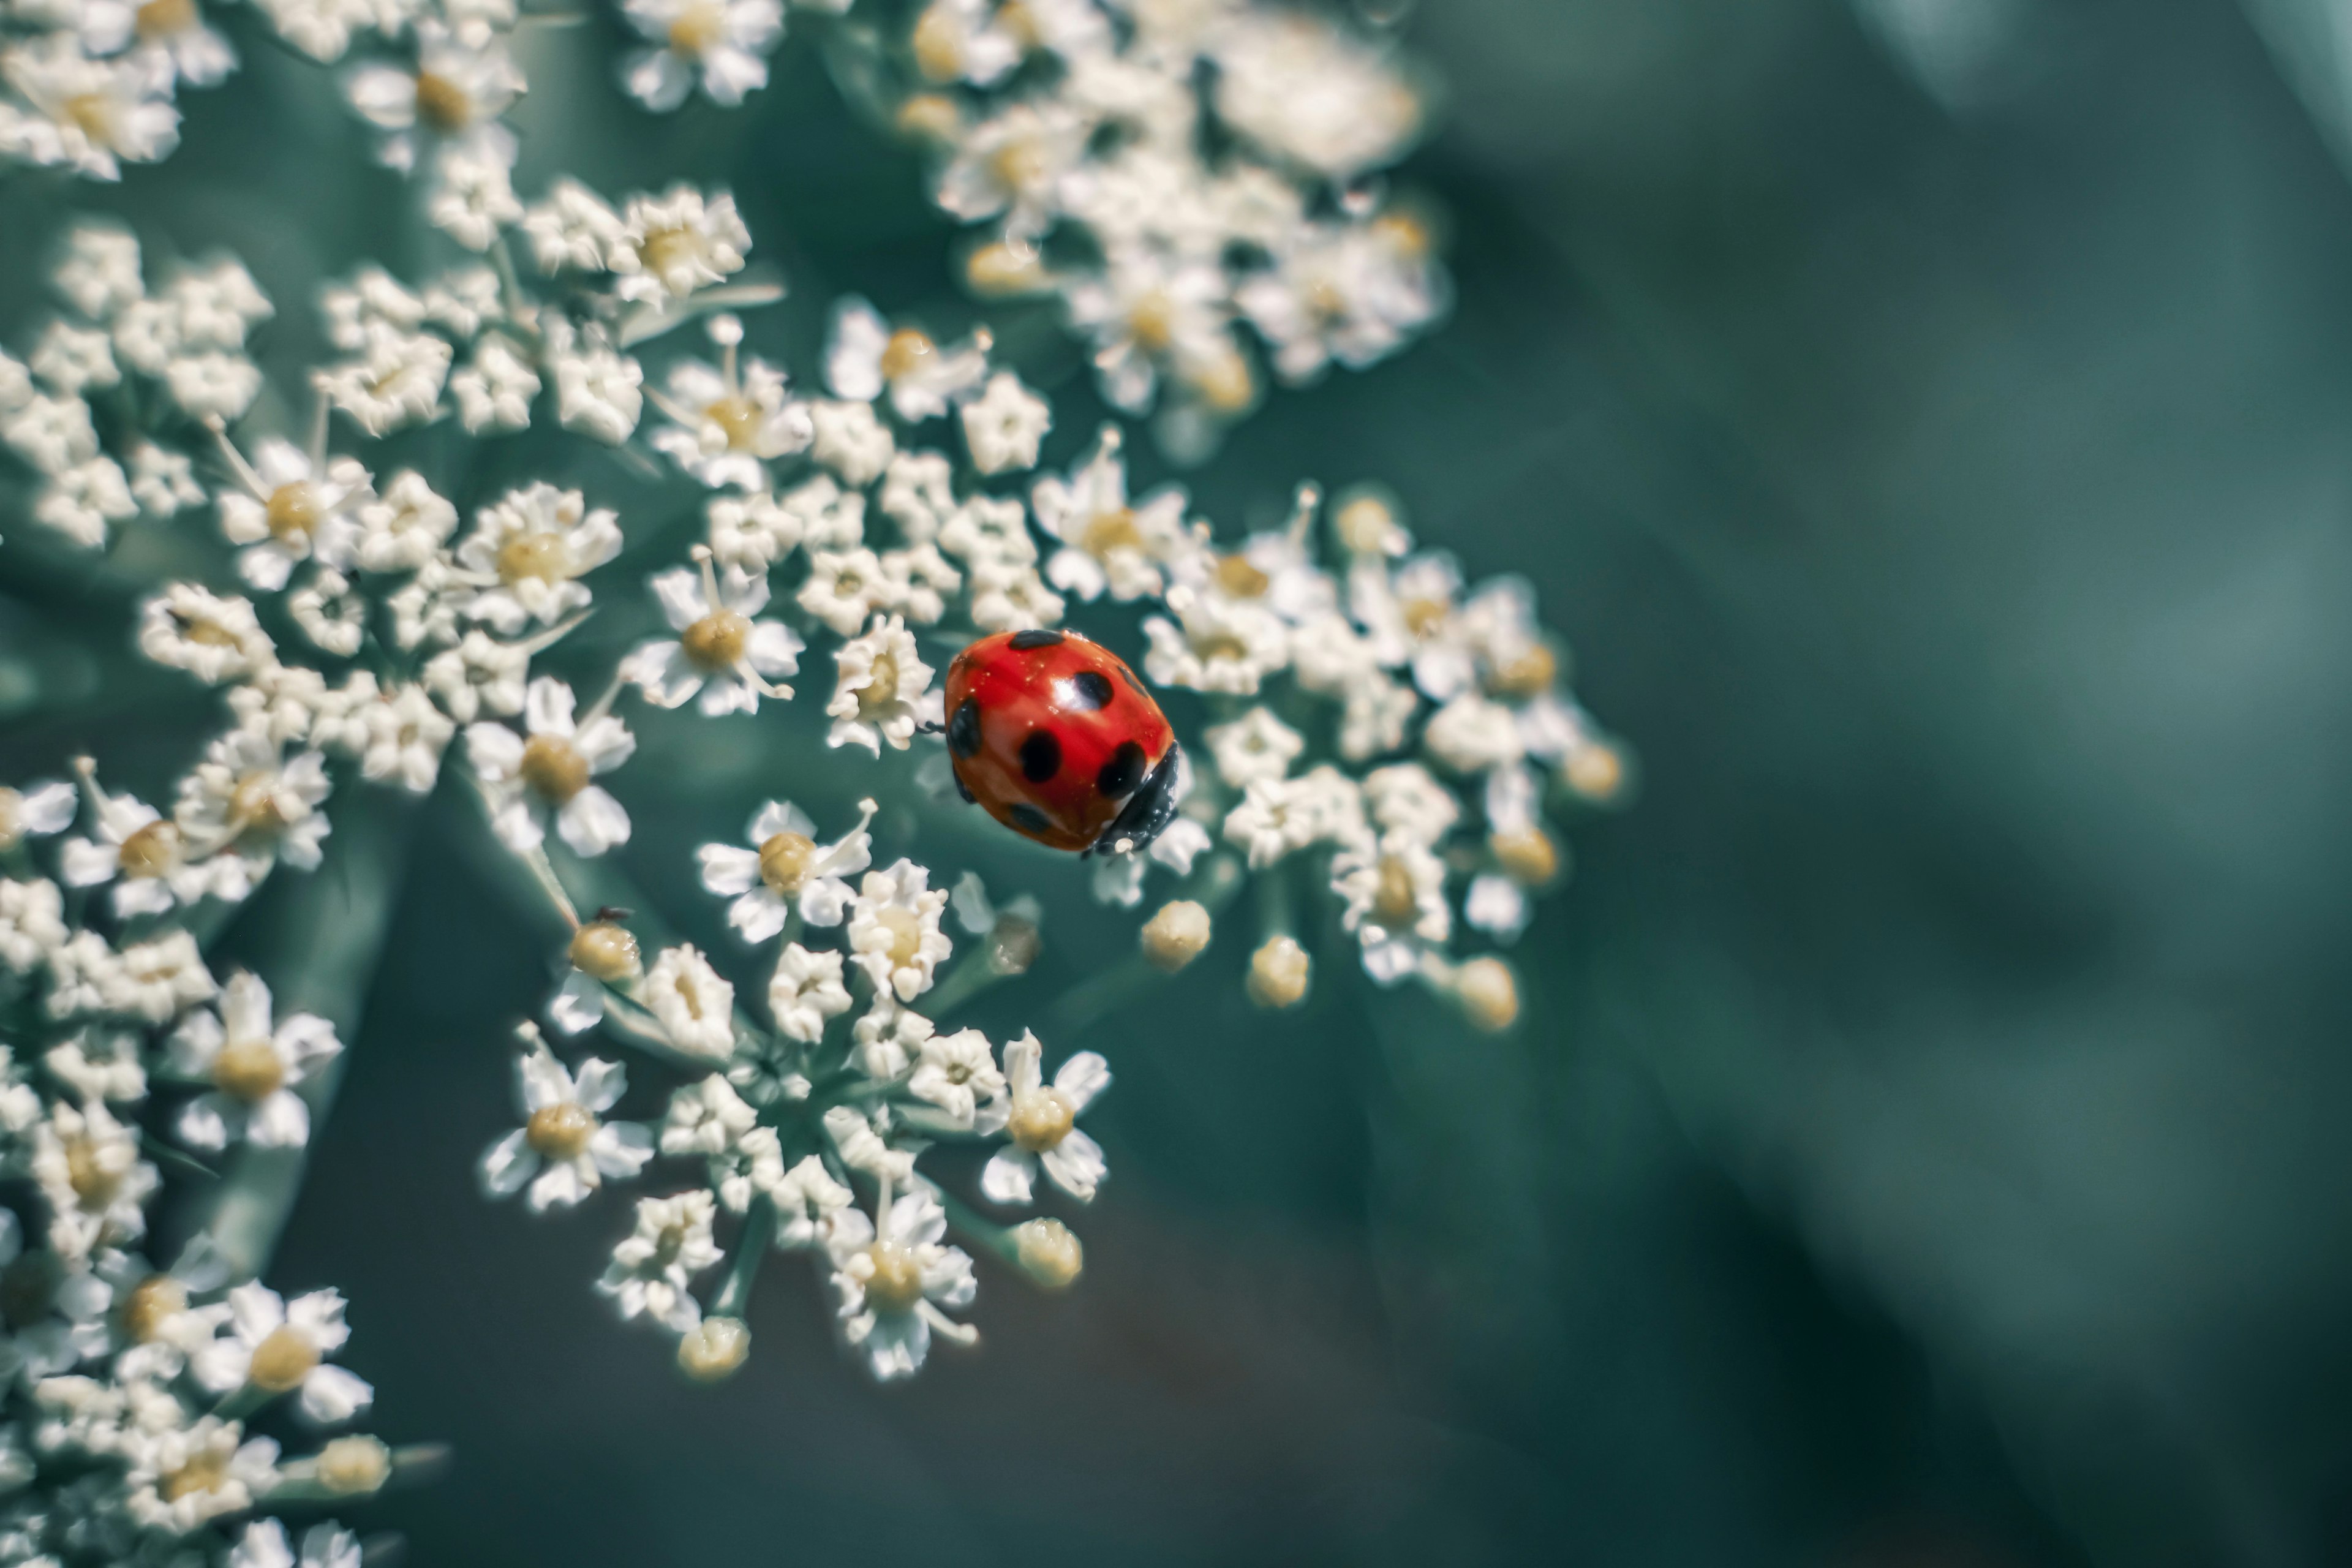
1151	808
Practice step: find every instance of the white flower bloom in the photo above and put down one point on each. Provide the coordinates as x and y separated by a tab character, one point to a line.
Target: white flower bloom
1106	543
531	547
1005	425
1219	645
695	1007
1351	292
1278	816
1395	896
396	380
1149	310
99	270
253	1070
473	198
247	796
850	440
401	737
1042	1125
480	675
722	650
73	359
86	1165
32	922
897	1282
99	1064
92	115
1010	164
785	869
36	811
864	358
806	991
894	930
670	246
598	389
495	390
294	509
887	1038
845	589
829	517
52	434
1497	905
276	1346
563	1151
730	421
722	44
751	533
181	1478
1306	92
81	500
920	582
957	1073
551	768
322	29
264	1544
1378	712
1254	748
806	1201
1471	735
652	1269
333	616
454	93
919	494
1405	798
706	1118
162	482
403	527
878	689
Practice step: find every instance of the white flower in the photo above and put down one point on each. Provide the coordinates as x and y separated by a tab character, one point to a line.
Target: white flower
1041	1126
1378	712
495	390
1395	896
99	1064
32	922
1004	427
552	769
456	92
1306	92
148	858
99	270
87	1164
894	930
1497	905
154	980
81	500
895	1281
652	1267
712	1120
672	244
805	991
322	29
295	508
279	1347
401	737
473	198
785	869
1010	164
180	1477
479	675
396	379
887	1038
597	388
807	1199
732	420
1221	644
957	1073
722	650
1405	798
52	434
695	1007
248	795
1471	735
214	384
529	548
562	1149
845	588
73	359
264	1545
252	1069
1256	747
1352	293
36	811
1278	816
864	358
722	43
162	482
850	440
1148	307
878	689
751	533
90	114
1105	543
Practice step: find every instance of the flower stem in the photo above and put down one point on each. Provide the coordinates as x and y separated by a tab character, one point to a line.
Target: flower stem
734	1296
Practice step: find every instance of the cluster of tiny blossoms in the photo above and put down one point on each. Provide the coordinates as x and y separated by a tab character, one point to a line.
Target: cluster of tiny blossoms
89	85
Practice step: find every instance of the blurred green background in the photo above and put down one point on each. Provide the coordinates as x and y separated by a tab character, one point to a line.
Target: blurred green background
1925	1145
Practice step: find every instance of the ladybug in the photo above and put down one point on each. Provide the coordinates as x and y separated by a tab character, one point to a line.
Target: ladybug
1053	736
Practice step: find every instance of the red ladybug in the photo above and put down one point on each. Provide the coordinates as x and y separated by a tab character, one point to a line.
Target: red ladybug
1054	738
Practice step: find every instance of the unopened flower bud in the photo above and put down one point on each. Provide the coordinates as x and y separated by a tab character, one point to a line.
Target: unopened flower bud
714	1349
1050	1253
1527	855
1367	526
1277	974
1489	993
354	1466
1176	935
1596	772
604	951
1014	944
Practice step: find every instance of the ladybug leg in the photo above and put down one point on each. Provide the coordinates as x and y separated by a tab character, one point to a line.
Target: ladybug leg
931	728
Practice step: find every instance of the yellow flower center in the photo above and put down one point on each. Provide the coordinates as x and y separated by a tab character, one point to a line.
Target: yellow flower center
905	928
1220	644
540	555
1407	235
554	767
1152	320
205	632
1528	672
1527	854
90	113
442	104
717	641
1394	900
1041	1120
1425	618
250	1070
1596	773
150	1304
1020	164
1019	24
165	18
350	1467
897	1282
559	1131
282	1360
697	30
785	862
997	267
93	1170
253	803
908	352
667	250
152	851
1225	383
605	952
204	1472
1238	579
738	419
929	116
294	510
1108	531
881	687
1366	526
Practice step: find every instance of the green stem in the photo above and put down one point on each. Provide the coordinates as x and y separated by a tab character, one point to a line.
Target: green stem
734	1297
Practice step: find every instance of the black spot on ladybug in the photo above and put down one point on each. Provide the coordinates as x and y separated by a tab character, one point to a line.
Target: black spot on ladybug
963	730
964	790
1029	819
1086	692
1123	773
1025	641
1041	755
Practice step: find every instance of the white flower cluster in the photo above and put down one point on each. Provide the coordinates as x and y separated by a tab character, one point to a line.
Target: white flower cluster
89	85
1077	130
841	1083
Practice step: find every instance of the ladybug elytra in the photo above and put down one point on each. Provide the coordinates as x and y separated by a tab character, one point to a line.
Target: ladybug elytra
1053	736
